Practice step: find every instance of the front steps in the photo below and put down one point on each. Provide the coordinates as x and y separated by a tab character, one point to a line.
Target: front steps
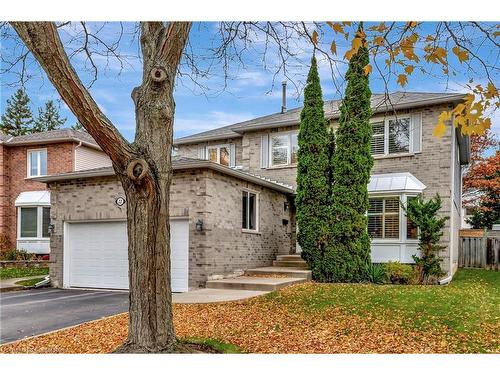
286	270
268	284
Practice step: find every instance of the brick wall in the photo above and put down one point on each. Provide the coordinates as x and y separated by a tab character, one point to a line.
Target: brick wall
59	159
5	240
221	248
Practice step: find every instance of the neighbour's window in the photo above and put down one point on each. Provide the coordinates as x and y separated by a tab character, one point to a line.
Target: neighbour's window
34	222
249	211
383	218
411	227
284	148
391	136
219	154
37	163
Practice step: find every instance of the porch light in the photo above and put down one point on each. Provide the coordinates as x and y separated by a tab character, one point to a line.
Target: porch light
199	225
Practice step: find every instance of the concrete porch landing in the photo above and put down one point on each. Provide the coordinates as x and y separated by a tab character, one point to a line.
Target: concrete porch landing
209	295
254	283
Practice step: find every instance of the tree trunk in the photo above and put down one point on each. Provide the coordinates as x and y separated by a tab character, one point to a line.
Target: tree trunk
143	167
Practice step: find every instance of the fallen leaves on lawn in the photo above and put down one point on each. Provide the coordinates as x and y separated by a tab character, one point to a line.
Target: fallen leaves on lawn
284	323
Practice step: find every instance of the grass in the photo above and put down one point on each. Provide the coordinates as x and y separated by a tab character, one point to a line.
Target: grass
12	273
30	282
463	317
222	347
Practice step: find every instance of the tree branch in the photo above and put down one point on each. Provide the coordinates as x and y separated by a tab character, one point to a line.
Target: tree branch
42	39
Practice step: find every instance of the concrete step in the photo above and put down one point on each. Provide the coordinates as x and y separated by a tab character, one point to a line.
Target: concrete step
254	283
290	263
280	271
292	257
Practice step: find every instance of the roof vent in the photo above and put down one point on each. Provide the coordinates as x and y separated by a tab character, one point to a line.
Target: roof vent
283	97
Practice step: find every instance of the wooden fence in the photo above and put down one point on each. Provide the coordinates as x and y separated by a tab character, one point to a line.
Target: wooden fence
480	252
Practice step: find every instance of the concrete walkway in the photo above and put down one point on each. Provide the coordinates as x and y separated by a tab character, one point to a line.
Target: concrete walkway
209	295
8	285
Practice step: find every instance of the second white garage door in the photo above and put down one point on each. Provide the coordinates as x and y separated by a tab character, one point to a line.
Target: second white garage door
96	255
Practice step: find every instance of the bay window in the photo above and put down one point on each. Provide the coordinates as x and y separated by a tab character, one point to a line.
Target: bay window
34	222
37	163
284	148
383	218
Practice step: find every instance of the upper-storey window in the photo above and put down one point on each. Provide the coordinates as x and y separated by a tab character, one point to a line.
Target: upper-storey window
219	154
284	149
37	163
396	135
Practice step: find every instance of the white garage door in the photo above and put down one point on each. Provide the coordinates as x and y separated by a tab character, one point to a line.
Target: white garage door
96	255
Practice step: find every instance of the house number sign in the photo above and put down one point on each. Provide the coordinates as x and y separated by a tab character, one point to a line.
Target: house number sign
120	201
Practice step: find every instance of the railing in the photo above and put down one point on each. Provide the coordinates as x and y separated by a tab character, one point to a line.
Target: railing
480	251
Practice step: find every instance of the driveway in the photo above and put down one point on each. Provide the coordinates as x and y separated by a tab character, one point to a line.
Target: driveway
36	311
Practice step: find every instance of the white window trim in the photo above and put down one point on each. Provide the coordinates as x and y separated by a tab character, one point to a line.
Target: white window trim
386	120
257	212
218	147
39	223
289	152
29	153
403	199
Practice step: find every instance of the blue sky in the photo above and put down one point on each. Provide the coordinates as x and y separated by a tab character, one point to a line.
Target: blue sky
253	89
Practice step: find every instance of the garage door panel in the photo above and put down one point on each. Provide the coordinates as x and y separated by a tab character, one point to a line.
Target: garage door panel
98	255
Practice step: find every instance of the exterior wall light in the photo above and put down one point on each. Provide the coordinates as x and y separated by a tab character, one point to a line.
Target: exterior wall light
199	225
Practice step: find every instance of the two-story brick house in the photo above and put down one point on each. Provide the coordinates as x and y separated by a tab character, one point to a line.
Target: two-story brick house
24	202
409	160
231	202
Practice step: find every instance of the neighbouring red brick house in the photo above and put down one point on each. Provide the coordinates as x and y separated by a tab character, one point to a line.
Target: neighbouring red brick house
24	203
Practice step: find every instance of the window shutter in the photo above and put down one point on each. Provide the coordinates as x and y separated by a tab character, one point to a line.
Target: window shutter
416	126
232	155
201	152
264	151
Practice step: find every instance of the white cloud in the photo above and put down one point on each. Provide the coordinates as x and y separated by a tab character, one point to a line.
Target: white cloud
214	119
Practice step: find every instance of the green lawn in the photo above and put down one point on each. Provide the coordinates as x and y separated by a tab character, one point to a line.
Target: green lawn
11	273
30	282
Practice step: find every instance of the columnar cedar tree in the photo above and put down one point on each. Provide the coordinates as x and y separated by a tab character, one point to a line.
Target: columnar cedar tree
348	255
314	175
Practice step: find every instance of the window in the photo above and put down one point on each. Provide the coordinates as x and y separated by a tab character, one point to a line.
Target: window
249	211
411	227
34	222
383	218
378	138
219	154
391	136
37	163
284	148
399	135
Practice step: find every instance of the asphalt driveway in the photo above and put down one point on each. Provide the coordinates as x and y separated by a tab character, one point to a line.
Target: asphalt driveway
31	312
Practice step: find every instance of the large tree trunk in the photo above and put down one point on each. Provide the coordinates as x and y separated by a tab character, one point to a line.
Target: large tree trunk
143	167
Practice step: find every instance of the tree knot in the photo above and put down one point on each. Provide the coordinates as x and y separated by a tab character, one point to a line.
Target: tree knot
158	74
137	169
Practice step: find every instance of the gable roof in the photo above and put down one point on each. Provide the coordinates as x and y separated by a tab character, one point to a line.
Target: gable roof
379	102
51	136
178	163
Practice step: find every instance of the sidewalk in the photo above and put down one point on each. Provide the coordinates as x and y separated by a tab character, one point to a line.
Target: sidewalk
8	285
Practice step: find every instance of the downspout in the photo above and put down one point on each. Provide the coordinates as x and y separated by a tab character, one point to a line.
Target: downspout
74	157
